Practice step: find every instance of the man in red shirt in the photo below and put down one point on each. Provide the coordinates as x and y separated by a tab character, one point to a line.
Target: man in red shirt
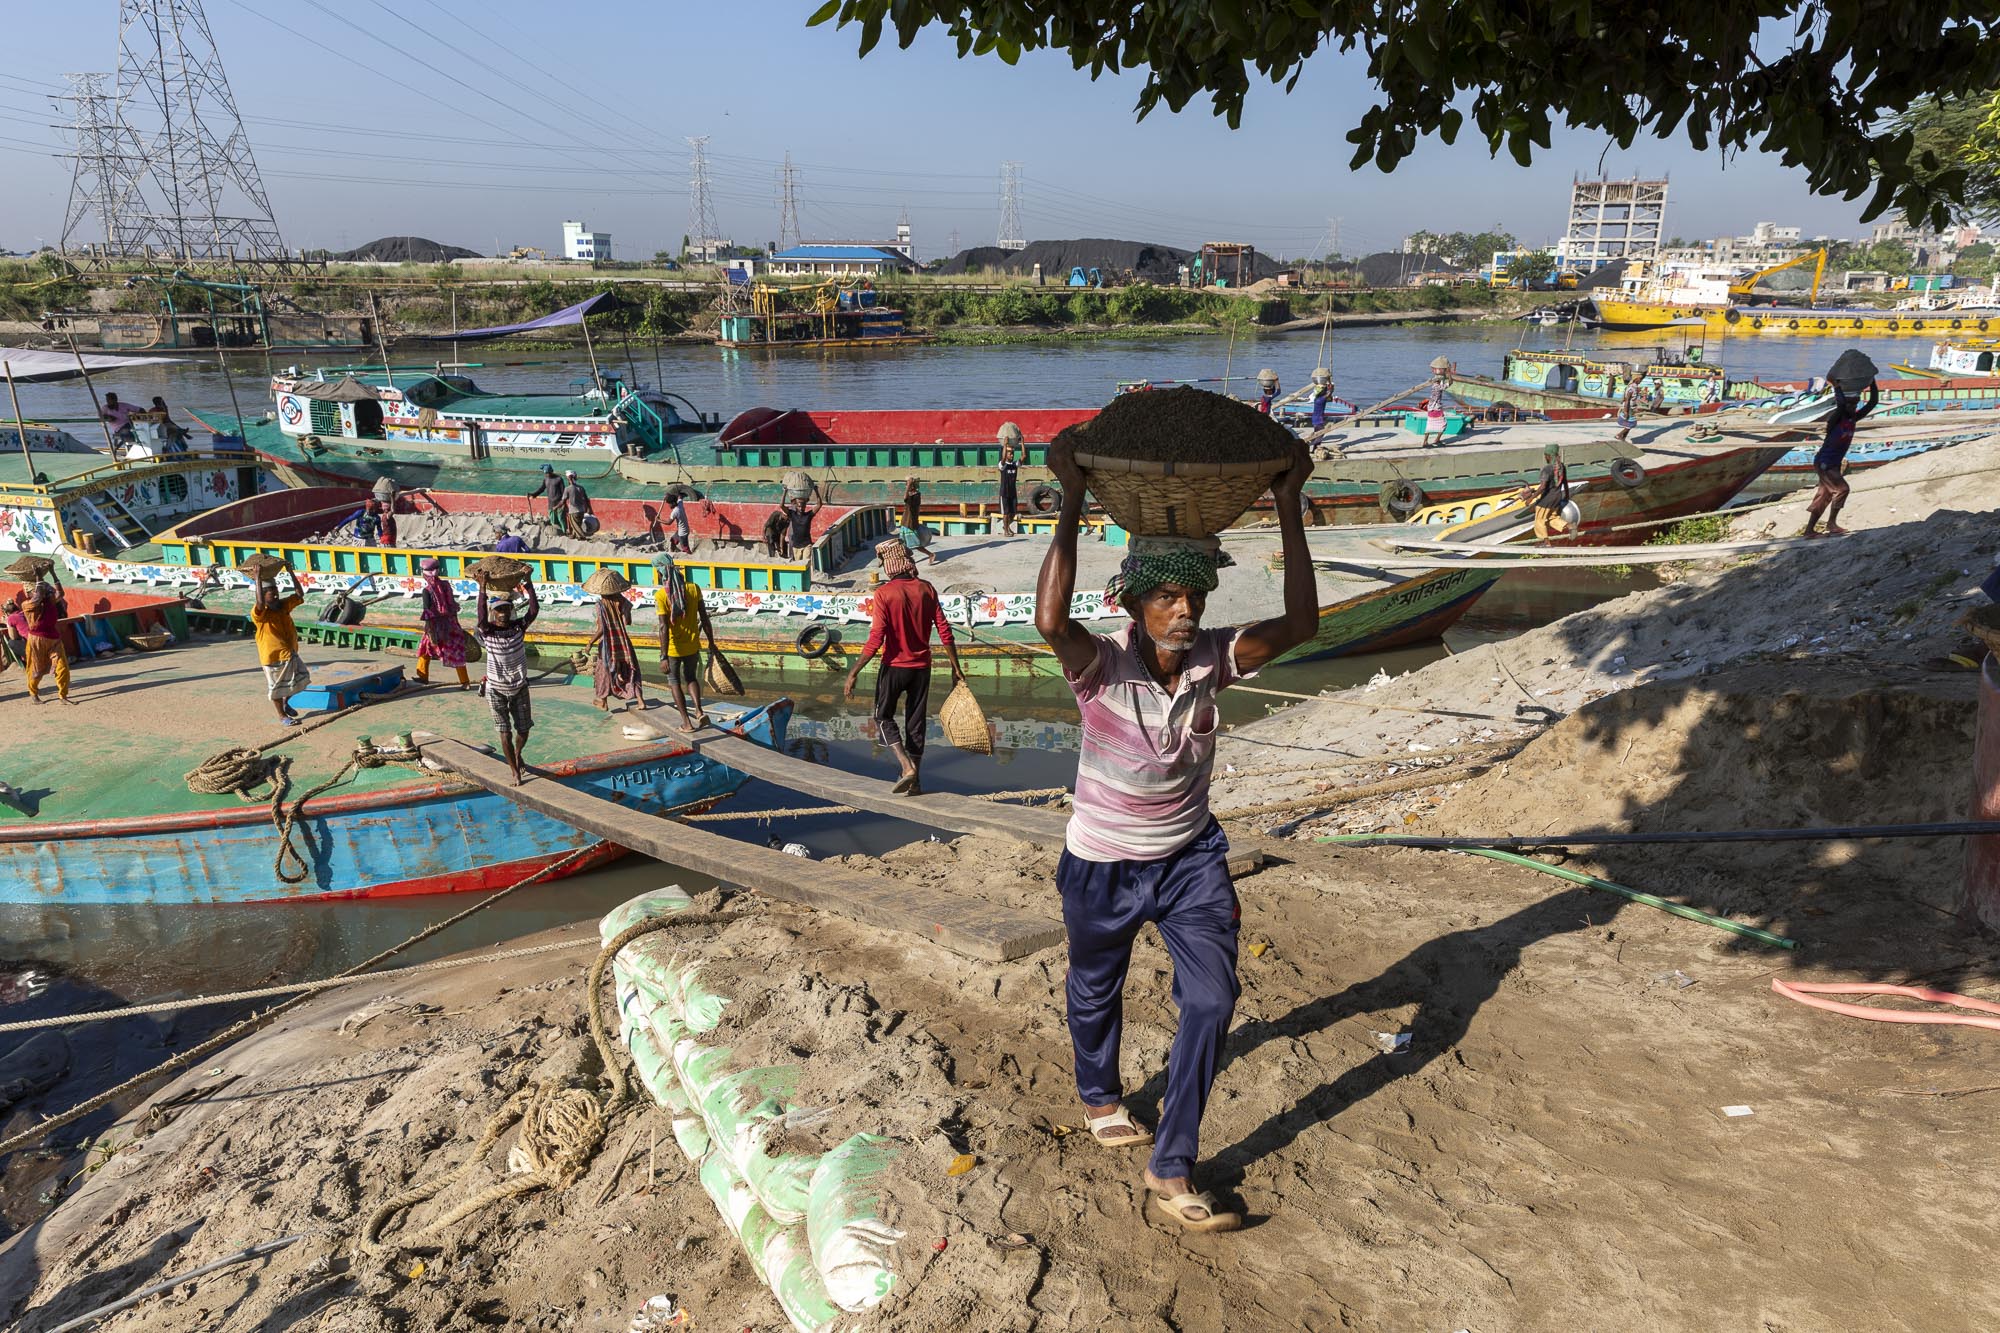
906	609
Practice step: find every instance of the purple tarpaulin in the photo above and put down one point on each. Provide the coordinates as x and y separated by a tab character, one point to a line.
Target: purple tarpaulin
598	304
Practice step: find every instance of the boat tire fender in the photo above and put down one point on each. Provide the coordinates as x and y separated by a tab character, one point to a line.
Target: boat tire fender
1403	498
1044	499
1732	316
1916	326
1628	472
1982	326
1895	324
1822	324
814	642
1958	323
1793	325
1756	323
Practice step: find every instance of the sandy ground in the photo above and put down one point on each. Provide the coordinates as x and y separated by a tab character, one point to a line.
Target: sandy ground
1549	1151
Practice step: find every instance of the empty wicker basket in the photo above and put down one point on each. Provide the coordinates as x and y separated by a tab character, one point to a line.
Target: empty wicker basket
964	722
1177	499
1983	622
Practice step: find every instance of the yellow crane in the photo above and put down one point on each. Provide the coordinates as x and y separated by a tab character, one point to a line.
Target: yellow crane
1740	289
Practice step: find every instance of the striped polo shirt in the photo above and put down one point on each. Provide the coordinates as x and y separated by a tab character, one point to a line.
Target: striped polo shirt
1143	770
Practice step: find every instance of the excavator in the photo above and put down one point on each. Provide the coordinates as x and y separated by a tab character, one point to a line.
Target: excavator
1742	288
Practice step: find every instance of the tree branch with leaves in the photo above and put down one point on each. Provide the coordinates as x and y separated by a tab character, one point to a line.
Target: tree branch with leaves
1819	84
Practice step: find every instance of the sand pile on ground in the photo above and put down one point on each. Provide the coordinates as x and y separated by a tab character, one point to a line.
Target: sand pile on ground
1889	594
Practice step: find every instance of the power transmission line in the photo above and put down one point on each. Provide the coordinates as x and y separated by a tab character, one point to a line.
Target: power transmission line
1010	207
788	204
701	208
188	183
98	176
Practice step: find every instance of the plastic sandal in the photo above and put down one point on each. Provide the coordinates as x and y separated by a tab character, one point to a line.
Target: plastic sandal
1118	1119
1217	1219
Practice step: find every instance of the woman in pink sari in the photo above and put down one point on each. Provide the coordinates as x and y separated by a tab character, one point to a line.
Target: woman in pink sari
444	638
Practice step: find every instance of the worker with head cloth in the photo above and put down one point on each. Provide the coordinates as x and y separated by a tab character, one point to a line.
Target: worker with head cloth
1142	843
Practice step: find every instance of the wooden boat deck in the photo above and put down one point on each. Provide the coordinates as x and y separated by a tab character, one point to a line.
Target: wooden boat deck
142	722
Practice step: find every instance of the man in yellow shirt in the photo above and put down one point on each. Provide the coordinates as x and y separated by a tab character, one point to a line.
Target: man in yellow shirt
683	622
278	647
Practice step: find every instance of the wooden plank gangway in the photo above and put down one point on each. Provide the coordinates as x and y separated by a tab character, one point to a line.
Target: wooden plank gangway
964	924
941	810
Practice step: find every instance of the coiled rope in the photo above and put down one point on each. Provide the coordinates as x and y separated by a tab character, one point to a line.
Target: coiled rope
562	1123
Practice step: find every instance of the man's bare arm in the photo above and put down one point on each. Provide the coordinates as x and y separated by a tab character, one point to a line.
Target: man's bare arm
1268	640
1056	586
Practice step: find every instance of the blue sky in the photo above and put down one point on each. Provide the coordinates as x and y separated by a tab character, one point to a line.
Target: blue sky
526	117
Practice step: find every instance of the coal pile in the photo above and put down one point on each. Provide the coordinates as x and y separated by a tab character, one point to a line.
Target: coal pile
405	250
977	259
1394	268
1184	425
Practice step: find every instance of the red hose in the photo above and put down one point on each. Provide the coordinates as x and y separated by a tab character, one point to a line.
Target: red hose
1807	993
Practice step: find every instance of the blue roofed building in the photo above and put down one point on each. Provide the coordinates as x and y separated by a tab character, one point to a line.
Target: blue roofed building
844	258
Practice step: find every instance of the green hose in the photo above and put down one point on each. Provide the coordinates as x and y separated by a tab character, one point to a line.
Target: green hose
1593	882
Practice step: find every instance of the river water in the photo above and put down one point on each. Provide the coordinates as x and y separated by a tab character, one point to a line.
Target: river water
1368	365
58	959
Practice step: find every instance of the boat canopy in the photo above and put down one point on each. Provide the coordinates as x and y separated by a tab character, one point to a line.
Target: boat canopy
28	365
346	389
601	304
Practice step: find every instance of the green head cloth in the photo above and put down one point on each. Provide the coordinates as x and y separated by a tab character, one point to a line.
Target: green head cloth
1189	562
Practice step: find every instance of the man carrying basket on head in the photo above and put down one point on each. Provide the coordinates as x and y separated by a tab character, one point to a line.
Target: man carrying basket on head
1142	843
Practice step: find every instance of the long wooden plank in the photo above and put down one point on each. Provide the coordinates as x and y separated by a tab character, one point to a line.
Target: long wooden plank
967	925
959	814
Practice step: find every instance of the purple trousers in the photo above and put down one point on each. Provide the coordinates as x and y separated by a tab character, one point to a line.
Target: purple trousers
1189	897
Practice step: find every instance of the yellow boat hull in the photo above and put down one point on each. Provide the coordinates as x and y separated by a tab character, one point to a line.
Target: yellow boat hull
1620	315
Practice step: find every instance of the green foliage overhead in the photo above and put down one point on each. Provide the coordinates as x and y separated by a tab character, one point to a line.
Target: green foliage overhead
1820	89
1962	135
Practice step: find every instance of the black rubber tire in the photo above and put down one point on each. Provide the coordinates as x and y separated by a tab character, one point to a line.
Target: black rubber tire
1400	499
1793	325
1958	324
1822	323
1982	326
1045	499
1916	326
1628	472
1731	317
815	641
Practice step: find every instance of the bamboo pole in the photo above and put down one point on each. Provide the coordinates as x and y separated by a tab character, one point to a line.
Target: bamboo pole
222	363
110	446
20	424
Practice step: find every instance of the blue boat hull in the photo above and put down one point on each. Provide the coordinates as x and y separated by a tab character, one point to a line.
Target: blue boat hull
430	835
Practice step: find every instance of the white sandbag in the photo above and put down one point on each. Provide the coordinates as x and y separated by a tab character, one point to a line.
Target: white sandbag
852	1247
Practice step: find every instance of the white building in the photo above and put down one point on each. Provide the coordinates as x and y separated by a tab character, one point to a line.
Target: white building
1613	219
580	242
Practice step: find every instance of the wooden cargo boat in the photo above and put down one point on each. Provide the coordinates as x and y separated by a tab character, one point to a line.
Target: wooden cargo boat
110	818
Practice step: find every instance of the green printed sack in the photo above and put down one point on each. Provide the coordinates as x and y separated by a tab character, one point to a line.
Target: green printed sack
788	1270
852	1247
654	1069
738	1206
660	902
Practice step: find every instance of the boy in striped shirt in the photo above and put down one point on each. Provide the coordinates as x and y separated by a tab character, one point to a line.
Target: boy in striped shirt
1142	844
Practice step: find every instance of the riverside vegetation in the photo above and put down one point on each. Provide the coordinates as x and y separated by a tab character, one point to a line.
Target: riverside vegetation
680	305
